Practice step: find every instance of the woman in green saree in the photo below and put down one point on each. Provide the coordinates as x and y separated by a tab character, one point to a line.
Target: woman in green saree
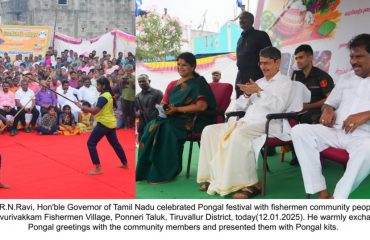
161	146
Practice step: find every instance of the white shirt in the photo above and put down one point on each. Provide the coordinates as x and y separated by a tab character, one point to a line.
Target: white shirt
350	95
17	63
53	60
89	94
24	97
273	99
70	94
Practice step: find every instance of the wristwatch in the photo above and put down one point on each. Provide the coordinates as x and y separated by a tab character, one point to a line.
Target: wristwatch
259	92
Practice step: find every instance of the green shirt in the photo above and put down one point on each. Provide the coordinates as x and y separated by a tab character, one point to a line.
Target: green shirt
128	89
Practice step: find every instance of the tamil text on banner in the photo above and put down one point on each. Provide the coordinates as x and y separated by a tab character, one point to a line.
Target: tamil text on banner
24	39
326	25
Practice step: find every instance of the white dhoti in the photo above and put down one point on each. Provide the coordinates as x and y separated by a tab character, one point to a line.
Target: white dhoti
227	159
310	140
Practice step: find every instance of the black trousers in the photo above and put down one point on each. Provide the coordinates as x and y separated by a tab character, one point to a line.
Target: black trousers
21	117
96	135
45	131
11	112
312	116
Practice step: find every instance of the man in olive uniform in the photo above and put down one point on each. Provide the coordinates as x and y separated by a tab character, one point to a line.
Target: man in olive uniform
316	80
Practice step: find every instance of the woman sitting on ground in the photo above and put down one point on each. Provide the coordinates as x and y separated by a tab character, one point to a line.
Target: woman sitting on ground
67	123
161	146
85	119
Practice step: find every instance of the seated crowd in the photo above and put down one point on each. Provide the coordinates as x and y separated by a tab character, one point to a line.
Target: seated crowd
40	92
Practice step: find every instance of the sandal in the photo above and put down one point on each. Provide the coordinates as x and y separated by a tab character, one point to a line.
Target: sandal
204	186
246	193
96	171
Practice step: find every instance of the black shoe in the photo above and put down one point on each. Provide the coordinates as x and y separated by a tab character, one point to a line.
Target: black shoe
294	161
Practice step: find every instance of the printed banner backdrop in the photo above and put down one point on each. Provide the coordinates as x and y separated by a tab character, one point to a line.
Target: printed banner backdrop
16	39
326	25
112	42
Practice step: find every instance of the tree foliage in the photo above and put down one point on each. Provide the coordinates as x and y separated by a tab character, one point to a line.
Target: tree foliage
158	37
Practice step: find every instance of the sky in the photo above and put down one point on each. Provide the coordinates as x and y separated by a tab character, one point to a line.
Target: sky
191	12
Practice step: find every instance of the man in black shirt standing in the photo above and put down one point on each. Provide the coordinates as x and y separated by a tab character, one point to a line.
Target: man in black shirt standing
316	80
248	48
145	102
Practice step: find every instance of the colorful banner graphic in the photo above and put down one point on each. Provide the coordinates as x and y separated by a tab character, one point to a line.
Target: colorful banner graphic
290	22
325	25
24	39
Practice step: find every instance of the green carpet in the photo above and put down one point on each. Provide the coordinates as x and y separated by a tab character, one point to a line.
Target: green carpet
283	182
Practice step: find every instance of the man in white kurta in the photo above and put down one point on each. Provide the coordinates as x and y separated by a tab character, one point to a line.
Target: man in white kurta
70	93
88	93
345	123
227	159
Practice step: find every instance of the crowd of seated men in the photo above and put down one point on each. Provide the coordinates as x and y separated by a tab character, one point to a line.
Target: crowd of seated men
34	90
